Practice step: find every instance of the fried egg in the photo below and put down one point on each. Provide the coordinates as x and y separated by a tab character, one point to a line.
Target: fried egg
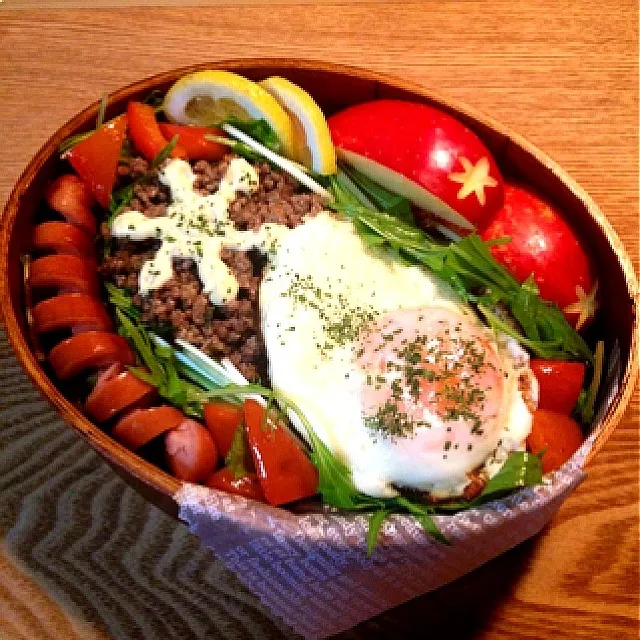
395	373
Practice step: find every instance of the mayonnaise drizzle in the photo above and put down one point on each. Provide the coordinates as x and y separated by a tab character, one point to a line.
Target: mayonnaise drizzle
197	227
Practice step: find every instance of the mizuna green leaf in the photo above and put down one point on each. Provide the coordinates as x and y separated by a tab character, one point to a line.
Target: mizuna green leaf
470	269
376	520
521	469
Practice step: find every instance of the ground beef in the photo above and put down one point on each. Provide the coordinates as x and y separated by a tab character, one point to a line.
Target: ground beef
231	330
275	200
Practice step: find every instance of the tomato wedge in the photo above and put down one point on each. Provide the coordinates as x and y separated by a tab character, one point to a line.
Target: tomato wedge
248	486
96	158
117	391
69	196
190	451
560	384
62	237
145	132
77	311
65	273
192	139
222	420
141	426
89	351
285	472
559	436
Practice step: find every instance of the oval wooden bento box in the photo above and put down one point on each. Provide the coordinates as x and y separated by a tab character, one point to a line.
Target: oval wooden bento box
333	87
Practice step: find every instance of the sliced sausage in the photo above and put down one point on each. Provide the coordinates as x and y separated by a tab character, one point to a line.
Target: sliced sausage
77	311
89	351
62	237
141	426
190	451
117	393
69	196
65	273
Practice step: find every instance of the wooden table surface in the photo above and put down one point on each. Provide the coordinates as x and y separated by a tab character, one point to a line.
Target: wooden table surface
82	555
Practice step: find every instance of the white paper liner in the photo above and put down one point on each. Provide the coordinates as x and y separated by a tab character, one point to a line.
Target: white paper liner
313	570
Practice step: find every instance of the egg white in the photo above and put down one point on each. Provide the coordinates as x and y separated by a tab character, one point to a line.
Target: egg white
321	284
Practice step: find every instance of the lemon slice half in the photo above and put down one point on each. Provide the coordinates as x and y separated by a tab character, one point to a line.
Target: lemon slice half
312	144
207	98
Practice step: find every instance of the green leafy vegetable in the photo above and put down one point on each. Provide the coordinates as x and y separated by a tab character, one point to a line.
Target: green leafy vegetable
122	300
126	151
142	345
587	399
521	469
169	372
164	153
383	199
349	190
376	520
259	130
161	366
72	141
470	269
337	489
120	198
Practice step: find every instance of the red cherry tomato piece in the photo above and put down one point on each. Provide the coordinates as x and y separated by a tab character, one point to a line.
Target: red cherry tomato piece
141	426
96	158
557	435
560	384
190	451
145	132
248	487
89	351
116	392
192	139
285	472
77	311
222	420
65	273
69	196
542	244
62	237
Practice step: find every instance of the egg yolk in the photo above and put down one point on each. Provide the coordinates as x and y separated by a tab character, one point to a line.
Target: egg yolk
429	368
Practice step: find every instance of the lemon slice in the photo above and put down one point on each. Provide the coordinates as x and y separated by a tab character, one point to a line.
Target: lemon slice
208	97
312	145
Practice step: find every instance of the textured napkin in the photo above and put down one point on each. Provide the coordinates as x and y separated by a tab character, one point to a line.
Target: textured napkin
313	571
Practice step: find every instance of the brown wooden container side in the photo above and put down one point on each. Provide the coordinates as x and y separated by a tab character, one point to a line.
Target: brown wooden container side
333	87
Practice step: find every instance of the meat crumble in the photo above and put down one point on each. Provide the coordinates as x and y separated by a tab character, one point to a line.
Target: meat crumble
232	329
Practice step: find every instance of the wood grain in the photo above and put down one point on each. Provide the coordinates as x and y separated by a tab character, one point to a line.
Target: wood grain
92	555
